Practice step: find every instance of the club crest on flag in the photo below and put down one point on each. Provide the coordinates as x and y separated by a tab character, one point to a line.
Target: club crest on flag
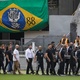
17	19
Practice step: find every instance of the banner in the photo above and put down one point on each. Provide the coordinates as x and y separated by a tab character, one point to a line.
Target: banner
23	15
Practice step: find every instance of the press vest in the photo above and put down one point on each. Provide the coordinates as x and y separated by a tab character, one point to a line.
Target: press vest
66	41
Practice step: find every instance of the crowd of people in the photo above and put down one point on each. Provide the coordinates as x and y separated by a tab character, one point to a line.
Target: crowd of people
67	58
12	56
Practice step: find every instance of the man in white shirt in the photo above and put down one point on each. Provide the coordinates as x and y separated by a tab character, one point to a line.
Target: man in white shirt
16	59
29	57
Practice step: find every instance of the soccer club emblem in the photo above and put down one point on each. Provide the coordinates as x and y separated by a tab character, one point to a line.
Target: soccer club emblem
13	18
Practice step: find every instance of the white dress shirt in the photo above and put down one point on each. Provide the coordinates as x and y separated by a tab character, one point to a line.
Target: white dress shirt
29	53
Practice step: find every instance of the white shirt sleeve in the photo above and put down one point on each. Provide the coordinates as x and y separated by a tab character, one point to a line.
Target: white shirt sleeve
14	52
26	54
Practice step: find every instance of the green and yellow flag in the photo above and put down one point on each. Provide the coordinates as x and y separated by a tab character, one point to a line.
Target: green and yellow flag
23	15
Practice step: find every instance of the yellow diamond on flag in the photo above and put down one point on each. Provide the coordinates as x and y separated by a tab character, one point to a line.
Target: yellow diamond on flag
16	18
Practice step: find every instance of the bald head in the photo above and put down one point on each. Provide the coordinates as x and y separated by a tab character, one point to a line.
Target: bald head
40	47
16	46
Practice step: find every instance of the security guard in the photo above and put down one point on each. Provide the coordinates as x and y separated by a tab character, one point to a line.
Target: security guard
39	56
73	59
62	60
54	58
67	57
78	59
2	59
29	58
49	59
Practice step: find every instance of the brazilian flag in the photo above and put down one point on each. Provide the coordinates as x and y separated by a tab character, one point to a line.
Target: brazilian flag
23	15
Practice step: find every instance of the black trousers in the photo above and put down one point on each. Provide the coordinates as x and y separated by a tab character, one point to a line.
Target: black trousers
61	68
52	71
40	65
67	65
49	67
72	67
0	69
2	65
29	66
54	65
6	64
78	66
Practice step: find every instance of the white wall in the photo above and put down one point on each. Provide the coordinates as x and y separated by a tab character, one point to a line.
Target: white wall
59	24
34	34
